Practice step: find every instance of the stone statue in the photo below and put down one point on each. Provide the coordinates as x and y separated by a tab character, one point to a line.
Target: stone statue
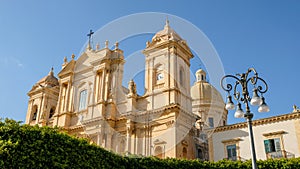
295	108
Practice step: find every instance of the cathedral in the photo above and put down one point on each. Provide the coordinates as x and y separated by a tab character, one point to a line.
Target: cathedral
171	119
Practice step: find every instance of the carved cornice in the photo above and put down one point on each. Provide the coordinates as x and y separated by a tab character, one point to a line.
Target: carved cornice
184	143
91	121
170	107
231	140
57	115
42	89
274	133
273	119
159	141
169	43
74	128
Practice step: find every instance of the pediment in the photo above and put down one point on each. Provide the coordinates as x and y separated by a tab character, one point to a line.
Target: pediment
83	62
89	59
159	141
69	68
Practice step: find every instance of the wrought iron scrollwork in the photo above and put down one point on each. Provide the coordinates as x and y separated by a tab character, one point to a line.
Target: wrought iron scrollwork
243	80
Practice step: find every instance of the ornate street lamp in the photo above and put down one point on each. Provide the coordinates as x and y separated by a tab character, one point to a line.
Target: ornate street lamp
242	82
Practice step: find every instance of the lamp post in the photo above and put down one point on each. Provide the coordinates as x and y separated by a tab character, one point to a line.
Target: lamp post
241	95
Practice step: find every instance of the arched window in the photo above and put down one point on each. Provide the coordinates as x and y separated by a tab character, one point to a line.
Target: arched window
181	77
200	154
158	152
51	113
184	152
34	112
83	100
198	78
211	122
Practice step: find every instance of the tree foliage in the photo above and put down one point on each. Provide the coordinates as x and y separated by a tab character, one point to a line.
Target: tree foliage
24	146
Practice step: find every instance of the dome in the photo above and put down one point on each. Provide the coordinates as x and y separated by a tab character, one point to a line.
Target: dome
207	102
49	81
203	90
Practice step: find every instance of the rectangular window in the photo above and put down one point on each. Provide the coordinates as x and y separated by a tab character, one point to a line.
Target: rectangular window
211	122
231	152
82	100
272	145
273	148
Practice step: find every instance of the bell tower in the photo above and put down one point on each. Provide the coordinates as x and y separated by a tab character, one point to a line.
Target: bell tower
167	92
43	100
167	76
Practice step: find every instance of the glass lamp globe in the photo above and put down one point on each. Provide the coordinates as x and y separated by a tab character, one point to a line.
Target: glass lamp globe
263	107
229	105
256	100
239	111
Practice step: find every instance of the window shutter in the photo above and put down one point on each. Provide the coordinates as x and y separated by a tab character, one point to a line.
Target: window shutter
267	146
277	144
234	151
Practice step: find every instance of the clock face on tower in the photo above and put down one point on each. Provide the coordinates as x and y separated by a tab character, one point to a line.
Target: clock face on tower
159	76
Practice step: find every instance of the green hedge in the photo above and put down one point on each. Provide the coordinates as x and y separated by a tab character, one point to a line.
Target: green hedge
24	146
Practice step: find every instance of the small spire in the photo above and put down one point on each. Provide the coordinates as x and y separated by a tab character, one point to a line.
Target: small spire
106	44
117	45
65	60
73	56
88	47
51	71
97	46
167	23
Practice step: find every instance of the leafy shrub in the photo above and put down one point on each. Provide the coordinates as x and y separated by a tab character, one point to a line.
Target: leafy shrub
24	146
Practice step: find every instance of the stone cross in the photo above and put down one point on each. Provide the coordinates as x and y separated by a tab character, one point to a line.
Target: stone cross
90	36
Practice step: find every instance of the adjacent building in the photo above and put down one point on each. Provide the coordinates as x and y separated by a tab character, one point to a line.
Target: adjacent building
275	137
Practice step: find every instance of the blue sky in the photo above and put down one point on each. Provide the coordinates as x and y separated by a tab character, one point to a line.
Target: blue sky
36	35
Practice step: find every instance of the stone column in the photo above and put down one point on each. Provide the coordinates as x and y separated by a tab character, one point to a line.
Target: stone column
104	136
99	138
105	84
128	139
108	139
96	83
67	97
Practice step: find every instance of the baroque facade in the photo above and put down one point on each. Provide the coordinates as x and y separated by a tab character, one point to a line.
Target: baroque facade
88	100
